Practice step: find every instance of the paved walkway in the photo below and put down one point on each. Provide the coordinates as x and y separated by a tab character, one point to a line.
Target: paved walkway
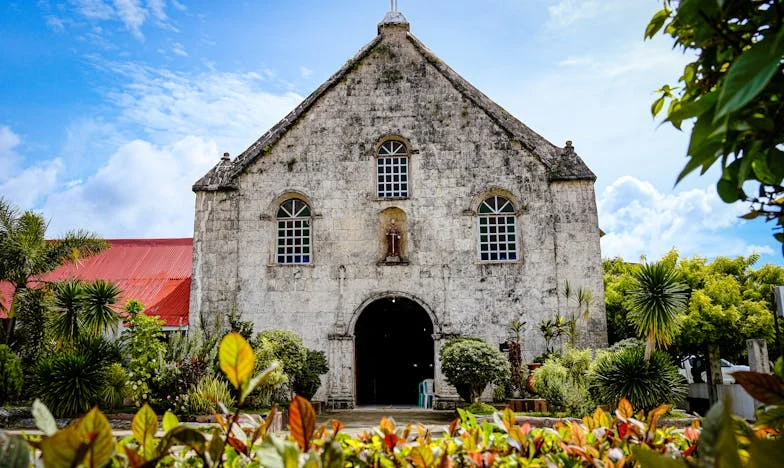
356	421
367	417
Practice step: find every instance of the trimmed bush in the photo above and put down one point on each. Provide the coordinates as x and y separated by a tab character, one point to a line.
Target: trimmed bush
626	374
308	381
471	364
11	378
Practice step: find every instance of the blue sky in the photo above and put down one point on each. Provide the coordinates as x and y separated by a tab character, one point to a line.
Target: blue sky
111	109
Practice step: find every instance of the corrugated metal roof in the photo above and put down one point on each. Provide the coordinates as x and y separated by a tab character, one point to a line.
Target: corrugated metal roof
156	272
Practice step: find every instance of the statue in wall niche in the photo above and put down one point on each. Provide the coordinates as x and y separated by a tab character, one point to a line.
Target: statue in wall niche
393	242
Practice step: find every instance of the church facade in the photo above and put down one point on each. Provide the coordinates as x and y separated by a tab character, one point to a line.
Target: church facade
397	207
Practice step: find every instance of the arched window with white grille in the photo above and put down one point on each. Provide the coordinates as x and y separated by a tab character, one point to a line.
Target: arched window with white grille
294	245
392	170
497	230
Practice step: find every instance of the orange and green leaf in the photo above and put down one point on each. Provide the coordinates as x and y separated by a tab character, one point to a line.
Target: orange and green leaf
302	421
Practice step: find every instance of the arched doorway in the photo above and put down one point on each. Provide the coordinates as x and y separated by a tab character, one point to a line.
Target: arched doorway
394	352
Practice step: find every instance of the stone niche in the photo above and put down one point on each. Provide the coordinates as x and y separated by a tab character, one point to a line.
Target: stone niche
389	219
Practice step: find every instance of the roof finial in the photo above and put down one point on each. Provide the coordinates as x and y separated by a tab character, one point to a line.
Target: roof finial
394	16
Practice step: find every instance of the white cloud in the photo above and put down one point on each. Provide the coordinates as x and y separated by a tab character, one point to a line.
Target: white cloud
24	186
55	24
179	49
231	108
96	9
565	13
640	220
28	187
133	16
158	9
305	72
9	159
601	101
143	190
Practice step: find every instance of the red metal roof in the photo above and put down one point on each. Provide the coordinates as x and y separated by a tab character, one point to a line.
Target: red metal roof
156	272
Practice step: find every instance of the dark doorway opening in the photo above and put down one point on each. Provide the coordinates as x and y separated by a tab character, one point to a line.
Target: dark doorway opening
394	352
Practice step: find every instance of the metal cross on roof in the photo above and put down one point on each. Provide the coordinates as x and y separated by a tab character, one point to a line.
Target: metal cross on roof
393	5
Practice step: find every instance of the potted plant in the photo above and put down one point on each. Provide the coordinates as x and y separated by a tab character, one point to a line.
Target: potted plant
515	353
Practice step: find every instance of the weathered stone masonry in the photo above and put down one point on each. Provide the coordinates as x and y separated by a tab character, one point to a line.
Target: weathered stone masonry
463	148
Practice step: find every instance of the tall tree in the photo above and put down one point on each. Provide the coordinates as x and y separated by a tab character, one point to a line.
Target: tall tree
26	254
656	301
734	89
85	309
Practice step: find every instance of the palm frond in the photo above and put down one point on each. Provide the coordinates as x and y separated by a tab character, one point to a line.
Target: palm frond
97	312
656	303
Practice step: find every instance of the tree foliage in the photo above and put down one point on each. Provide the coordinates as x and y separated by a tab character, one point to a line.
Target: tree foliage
657	299
10	375
471	364
26	253
734	92
730	302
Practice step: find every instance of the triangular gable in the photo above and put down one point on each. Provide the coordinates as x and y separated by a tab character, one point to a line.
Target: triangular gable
561	163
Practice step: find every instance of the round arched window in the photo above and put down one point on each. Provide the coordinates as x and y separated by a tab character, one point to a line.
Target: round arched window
392	170
497	230
294	232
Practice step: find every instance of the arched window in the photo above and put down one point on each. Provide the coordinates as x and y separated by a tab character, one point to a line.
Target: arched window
497	230
392	170
293	232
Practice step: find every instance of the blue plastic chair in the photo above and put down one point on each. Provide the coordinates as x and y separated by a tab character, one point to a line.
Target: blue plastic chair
426	393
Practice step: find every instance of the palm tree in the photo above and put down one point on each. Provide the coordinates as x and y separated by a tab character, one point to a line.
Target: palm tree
656	303
84	309
97	314
67	302
25	253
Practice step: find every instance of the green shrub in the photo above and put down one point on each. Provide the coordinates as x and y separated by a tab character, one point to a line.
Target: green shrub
308	381
578	363
557	384
471	364
143	341
11	378
206	396
646	385
116	388
288	350
70	383
266	391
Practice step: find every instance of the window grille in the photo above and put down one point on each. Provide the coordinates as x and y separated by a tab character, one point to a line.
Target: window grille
497	230
392	170
293	232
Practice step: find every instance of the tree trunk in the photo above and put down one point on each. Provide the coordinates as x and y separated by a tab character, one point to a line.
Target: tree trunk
649	345
713	371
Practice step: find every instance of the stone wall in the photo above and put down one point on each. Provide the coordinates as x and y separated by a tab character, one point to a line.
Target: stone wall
459	156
